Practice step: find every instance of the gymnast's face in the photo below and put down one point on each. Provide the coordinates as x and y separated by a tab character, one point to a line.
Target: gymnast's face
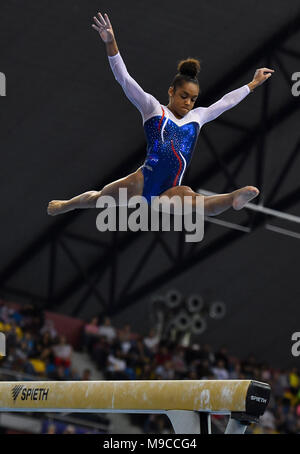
183	99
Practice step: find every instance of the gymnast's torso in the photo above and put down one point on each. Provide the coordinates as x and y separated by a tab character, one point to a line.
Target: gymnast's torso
170	141
170	145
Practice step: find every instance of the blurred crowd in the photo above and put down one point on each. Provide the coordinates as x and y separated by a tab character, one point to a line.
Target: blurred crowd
125	355
33	347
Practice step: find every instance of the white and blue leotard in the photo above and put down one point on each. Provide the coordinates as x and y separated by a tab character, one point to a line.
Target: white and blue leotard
170	141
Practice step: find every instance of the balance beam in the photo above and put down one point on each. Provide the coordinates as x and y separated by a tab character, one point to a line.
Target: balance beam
187	403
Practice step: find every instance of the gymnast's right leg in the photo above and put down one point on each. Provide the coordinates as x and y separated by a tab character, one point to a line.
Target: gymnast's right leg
134	184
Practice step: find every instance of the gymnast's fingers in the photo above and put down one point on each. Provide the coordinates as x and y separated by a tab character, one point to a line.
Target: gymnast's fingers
101	19
96	28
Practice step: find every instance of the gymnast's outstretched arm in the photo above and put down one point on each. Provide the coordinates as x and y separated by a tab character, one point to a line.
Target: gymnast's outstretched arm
234	97
145	102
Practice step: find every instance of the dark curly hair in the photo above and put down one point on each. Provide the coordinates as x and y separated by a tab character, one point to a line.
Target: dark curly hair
188	71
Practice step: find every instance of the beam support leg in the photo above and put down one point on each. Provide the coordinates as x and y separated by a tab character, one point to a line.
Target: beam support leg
189	422
235	427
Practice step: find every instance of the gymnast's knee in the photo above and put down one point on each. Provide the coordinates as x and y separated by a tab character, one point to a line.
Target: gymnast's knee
95	194
92	196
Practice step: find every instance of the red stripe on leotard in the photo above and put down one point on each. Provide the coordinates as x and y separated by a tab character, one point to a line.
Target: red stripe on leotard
160	121
180	164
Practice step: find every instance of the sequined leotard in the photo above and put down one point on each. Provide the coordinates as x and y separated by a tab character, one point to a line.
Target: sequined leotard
170	141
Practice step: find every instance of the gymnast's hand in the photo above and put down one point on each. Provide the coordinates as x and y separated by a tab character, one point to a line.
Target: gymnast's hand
260	76
104	28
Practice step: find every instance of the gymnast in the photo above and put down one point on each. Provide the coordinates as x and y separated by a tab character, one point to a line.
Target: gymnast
171	132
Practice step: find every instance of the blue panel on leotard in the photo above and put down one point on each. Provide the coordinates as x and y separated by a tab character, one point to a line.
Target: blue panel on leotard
169	152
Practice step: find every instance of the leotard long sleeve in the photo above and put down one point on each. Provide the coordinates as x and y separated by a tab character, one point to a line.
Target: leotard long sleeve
170	141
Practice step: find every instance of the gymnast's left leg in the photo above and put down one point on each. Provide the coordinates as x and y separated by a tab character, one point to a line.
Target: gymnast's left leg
216	204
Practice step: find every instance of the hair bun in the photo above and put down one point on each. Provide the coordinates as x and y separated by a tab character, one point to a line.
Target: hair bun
190	67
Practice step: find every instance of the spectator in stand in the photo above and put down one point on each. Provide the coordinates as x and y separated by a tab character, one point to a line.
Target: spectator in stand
162	355
136	358
33	318
107	330
257	374
5	313
204	371
166	371
17	317
126	344
14	334
48	327
22	354
60	373
42	357
86	375
192	353
145	353
50	369
192	375
291	397
11	359
125	337
291	421
294	379
179	363
26	313
116	366
147	372
265	373
39	366
280	416
46	341
206	353
62	353
277	388
30	344
220	372
11	338
222	355
283	379
91	334
235	369
152	341
100	352
248	366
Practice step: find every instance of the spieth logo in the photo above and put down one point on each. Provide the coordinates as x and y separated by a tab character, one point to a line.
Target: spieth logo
16	391
29	393
259	399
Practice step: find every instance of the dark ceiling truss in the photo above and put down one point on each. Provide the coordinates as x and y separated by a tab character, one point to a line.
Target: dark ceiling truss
181	256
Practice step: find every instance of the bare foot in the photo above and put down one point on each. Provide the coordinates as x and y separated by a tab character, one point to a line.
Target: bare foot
58	207
243	196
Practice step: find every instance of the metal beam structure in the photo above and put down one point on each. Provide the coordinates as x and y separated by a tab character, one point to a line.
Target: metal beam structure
181	256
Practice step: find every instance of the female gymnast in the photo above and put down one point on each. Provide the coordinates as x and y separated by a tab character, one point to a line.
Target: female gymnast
171	133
